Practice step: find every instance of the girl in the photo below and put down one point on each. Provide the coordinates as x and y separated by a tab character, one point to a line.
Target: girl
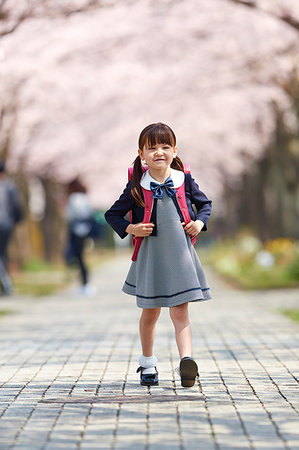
165	271
78	214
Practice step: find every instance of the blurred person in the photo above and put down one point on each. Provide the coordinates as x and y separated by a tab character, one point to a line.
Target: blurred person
11	212
165	271
79	216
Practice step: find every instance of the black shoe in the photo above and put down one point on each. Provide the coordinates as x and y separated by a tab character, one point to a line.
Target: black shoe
148	379
188	371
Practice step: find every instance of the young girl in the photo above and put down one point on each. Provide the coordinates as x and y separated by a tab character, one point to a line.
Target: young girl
165	271
78	214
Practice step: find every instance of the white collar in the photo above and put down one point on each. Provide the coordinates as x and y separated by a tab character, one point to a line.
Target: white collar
177	176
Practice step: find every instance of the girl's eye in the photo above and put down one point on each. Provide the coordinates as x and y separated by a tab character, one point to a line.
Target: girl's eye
165	147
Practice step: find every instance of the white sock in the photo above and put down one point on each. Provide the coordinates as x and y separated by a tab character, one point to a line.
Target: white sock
149	363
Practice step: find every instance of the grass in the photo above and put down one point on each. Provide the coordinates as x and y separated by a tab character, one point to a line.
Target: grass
242	270
40	278
5	312
291	314
37	265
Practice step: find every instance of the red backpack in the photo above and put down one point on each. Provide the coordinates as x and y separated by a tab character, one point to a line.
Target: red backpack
148	200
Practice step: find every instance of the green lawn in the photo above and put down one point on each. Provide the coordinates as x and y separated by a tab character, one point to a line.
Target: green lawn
40	278
249	264
5	312
291	313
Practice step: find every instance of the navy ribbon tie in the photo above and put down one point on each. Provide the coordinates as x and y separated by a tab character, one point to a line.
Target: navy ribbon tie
158	191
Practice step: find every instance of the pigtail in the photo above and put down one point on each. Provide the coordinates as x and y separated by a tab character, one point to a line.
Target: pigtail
136	177
177	164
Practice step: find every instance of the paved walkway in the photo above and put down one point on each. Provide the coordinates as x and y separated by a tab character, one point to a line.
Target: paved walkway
67	373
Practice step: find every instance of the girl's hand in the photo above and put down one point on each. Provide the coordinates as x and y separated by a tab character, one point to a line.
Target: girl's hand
140	229
193	228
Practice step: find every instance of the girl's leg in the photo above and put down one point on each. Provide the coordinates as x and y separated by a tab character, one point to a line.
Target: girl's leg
78	245
5	282
83	268
147	325
148	361
183	334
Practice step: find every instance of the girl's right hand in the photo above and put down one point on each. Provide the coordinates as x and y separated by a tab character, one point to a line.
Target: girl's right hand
140	229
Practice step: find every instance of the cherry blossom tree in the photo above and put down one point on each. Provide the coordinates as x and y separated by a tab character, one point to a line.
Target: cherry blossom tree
87	76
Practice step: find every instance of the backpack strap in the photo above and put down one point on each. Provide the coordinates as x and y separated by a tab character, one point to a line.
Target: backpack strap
181	198
149	201
130	175
187	168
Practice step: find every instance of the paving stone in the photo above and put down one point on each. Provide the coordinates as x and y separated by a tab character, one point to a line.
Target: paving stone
72	351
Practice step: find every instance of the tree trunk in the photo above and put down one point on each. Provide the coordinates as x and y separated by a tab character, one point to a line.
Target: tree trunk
52	223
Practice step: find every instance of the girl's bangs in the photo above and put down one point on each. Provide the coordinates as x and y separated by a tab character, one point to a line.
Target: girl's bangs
159	135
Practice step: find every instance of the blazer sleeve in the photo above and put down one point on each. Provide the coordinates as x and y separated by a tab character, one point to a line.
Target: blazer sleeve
115	215
202	204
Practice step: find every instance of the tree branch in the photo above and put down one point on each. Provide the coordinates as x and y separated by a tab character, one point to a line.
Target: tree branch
284	17
58	11
15	25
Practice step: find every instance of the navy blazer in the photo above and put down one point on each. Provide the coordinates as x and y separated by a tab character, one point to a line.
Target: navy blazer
126	202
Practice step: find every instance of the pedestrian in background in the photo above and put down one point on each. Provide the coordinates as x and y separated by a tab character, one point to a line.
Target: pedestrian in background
79	216
11	212
165	271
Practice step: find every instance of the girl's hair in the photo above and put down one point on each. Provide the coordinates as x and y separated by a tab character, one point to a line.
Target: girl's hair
156	133
76	186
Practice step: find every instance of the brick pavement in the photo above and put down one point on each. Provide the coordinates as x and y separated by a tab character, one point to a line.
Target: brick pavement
67	373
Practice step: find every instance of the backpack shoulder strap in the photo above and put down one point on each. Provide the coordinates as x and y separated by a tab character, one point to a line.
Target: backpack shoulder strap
187	168
130	171
181	198
148	200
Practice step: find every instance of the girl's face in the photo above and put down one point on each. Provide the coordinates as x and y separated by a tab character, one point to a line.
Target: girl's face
158	156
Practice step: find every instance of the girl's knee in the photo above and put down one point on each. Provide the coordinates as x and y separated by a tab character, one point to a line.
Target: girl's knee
179	313
150	315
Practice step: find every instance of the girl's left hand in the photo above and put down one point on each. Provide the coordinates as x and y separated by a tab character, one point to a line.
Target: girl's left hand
193	228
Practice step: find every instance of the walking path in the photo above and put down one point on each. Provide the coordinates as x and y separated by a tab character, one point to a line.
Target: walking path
68	373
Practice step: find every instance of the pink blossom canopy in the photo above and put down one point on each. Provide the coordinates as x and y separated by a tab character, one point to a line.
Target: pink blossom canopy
85	79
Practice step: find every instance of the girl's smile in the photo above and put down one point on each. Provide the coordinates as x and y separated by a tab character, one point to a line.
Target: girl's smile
158	156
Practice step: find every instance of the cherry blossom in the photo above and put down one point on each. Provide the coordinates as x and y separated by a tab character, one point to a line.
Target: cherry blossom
80	81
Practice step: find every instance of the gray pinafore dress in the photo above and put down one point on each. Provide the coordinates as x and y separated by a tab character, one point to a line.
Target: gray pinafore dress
167	271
